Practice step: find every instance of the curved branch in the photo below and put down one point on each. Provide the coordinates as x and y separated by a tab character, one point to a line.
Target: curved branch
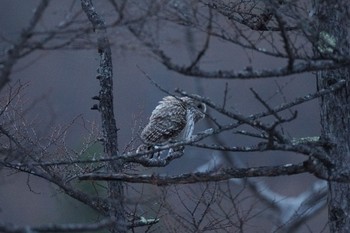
289	69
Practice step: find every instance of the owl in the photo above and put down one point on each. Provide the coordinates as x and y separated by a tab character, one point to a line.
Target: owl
173	119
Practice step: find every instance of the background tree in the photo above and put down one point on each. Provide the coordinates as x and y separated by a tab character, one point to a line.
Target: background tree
251	62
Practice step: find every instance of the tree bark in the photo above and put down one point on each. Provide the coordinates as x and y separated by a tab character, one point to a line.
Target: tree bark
109	128
335	109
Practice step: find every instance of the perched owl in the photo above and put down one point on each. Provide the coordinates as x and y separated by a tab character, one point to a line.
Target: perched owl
173	119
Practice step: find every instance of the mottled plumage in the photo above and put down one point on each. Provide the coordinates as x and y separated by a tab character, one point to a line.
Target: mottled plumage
172	119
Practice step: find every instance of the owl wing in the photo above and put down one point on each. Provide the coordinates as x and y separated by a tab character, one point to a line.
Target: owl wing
167	121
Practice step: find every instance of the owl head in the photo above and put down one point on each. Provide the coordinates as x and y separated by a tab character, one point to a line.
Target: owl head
198	108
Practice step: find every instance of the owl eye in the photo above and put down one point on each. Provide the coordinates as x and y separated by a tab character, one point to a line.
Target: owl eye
199	106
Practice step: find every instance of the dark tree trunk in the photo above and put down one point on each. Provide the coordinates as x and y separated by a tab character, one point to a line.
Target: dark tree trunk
335	112
335	109
109	128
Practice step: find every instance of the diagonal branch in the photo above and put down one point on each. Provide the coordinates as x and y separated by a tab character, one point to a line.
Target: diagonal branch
206	43
286	41
15	52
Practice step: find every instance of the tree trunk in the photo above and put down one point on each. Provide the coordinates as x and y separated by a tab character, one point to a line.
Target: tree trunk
109	128
335	109
335	112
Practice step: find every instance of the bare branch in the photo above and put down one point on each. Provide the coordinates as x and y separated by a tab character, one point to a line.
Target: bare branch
202	52
296	68
14	53
187	178
286	41
72	227
242	12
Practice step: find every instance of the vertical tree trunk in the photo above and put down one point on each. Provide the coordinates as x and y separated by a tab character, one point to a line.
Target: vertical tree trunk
335	109
109	128
335	112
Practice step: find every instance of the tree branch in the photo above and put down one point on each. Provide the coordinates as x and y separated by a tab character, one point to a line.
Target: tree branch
188	178
14	53
295	68
72	227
